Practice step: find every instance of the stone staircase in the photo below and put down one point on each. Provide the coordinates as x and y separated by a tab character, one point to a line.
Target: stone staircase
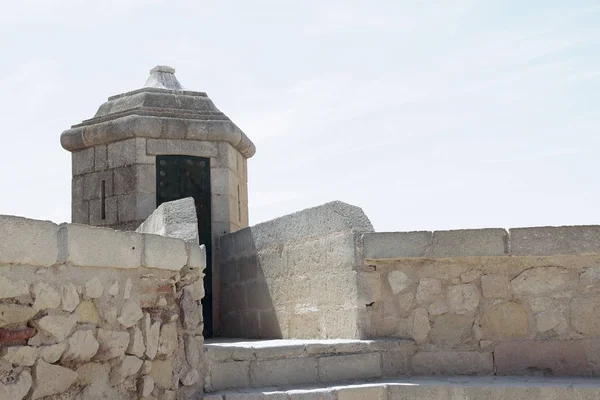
257	364
358	369
452	388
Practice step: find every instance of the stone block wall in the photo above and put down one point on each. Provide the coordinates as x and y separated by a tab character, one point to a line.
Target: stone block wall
487	301
93	313
292	277
124	172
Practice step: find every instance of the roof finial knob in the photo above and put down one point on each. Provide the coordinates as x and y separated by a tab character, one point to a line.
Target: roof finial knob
163	77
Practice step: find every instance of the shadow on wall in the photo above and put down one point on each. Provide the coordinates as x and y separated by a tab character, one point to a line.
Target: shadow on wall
292	277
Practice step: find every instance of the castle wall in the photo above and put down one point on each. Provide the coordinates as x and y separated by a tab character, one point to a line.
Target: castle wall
94	313
292	277
486	301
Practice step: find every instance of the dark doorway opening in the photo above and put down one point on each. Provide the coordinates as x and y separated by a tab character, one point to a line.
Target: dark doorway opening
178	177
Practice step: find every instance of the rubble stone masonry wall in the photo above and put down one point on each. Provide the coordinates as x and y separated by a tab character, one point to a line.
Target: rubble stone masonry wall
518	302
90	313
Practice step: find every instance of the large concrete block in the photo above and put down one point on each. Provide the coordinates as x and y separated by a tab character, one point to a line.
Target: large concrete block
136	206
176	219
390	245
224	181
100	158
88	246
553	357
164	253
289	371
92	184
109	217
27	241
547	241
470	243
352	366
453	363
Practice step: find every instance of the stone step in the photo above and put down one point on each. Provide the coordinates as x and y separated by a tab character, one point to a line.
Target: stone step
255	364
453	388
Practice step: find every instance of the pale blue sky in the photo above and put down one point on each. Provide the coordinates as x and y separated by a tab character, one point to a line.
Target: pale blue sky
432	114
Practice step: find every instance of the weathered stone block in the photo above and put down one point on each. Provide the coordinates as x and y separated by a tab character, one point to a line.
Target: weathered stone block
80	212
224	181
451	330
539	280
390	245
554	357
429	290
27	241
92	185
363	392
352	366
100	158
136	206
470	243
453	363
495	286
547	241
229	375
505	321
110	212
83	161
283	372
584	315
463	299
138	178
128	152
51	379
18	388
178	147
98	247
164	253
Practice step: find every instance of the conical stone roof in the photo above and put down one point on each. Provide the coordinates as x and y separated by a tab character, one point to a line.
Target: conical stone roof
160	109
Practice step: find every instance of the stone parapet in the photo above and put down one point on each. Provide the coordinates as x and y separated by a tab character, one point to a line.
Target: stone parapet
43	244
92	312
522	242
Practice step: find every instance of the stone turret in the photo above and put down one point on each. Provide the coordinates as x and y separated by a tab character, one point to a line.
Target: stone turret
196	149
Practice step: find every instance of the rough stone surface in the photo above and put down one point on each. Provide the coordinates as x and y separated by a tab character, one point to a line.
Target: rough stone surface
174	219
20	355
81	346
136	342
167	342
463	299
164	253
398	281
287	371
162	373
428	290
191	377
52	353
112	344
93	289
470	243
57	326
452	330
546	241
87	313
453	363
9	288
129	365
382	245
353	366
51	379
553	357
146	386
192	347
191	311
505	321
28	242
70	297
45	296
234	374
15	314
18	389
540	280
421	326
151	332
585	317
131	313
495	286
